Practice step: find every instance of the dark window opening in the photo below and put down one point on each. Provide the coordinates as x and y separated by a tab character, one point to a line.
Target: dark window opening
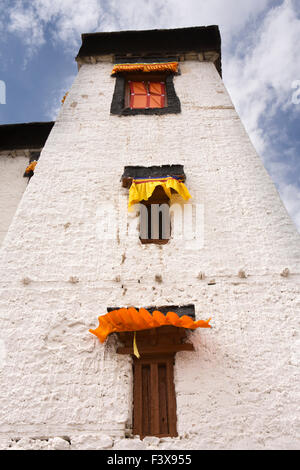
155	223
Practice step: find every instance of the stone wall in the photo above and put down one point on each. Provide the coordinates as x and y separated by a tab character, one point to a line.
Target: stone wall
59	270
12	187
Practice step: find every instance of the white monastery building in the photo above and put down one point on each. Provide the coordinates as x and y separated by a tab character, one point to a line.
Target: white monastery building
145	204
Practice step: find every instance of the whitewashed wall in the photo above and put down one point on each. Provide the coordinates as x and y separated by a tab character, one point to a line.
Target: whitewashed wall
12	186
238	389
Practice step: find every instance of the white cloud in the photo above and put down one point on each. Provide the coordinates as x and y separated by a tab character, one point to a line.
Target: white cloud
26	24
261	80
64	20
130	14
290	194
69	18
230	15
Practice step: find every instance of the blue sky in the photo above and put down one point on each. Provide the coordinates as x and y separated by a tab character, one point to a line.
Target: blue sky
261	64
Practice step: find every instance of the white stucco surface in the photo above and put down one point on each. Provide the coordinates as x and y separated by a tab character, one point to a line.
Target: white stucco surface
12	187
61	388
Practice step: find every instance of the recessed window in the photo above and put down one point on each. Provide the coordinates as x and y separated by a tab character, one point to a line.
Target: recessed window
152	188
144	93
154	397
155	224
153	335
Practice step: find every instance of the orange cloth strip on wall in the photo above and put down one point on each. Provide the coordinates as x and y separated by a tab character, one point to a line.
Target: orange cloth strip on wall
154	67
31	167
129	319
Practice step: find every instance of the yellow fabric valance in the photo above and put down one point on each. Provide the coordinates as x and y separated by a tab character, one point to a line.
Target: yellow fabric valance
142	189
153	67
129	319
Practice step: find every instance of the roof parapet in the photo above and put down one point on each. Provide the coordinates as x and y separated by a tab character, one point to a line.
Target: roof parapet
196	43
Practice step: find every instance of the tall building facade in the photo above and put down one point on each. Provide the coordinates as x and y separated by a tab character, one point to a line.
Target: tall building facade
148	123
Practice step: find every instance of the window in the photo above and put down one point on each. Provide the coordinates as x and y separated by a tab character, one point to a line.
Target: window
154	397
144	93
154	411
160	182
155	224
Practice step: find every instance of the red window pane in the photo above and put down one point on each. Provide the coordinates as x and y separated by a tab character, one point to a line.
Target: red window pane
157	94
138	87
138	101
138	95
156	87
155	101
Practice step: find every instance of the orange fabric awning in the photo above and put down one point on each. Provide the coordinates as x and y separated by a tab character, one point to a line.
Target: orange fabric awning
129	319
153	67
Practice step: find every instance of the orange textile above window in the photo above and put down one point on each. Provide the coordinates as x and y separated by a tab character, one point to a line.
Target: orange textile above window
129	319
153	67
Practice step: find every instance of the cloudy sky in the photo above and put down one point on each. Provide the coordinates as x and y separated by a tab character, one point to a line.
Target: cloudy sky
261	63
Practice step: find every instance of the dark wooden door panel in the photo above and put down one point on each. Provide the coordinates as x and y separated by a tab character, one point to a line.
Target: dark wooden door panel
154	410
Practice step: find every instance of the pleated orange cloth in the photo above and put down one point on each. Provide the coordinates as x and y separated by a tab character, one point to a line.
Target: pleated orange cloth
149	67
129	319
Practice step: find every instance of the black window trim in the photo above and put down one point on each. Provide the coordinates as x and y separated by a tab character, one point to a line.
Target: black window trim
118	101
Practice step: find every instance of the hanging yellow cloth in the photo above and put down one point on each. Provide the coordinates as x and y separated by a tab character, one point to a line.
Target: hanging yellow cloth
153	67
31	167
135	348
143	189
129	319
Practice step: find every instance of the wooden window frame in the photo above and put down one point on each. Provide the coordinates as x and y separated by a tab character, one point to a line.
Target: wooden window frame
120	101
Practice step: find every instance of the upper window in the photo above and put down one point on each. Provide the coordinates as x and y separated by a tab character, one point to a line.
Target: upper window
144	92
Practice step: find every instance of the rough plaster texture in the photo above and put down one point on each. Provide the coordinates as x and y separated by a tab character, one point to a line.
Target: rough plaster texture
12	186
60	387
